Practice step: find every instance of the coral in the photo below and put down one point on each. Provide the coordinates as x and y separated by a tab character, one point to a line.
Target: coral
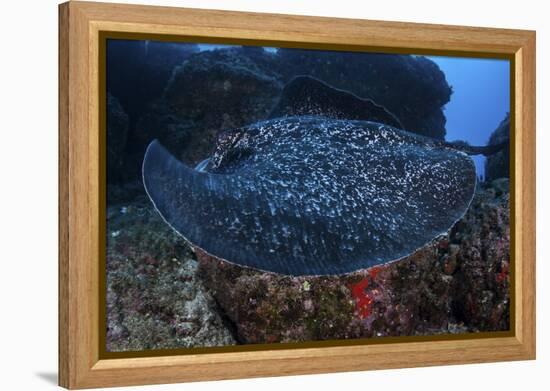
363	298
481	284
154	299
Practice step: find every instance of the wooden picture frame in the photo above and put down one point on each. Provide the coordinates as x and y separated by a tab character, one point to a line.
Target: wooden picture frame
81	172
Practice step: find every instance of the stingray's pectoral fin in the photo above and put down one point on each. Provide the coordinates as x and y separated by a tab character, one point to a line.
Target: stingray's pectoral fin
176	190
306	95
229	216
209	210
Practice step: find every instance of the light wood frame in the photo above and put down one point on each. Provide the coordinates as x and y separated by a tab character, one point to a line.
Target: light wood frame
80	24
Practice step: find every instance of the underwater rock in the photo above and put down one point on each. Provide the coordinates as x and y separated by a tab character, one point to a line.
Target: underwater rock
154	299
117	132
481	284
209	92
411	87
458	283
160	123
138	71
500	186
498	165
124	193
223	88
231	87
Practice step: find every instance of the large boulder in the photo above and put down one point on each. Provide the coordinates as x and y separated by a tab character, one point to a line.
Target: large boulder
221	89
232	87
498	165
480	295
411	87
209	92
458	283
159	122
212	91
138	71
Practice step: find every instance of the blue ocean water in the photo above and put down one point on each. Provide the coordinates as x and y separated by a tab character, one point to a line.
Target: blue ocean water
480	99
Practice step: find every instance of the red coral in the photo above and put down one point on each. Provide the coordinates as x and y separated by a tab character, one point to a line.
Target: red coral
503	274
363	300
373	271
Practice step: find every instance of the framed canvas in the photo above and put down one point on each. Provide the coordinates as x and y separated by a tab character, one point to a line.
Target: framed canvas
246	195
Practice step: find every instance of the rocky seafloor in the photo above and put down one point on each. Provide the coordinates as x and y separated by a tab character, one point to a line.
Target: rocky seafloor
161	294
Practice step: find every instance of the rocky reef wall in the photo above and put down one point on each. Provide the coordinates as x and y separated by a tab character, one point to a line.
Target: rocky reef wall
188	101
498	165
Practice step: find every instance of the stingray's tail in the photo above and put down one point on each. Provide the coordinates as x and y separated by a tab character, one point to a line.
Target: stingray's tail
487	150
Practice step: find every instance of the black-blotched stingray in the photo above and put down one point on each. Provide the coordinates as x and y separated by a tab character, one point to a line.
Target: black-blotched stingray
303	194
